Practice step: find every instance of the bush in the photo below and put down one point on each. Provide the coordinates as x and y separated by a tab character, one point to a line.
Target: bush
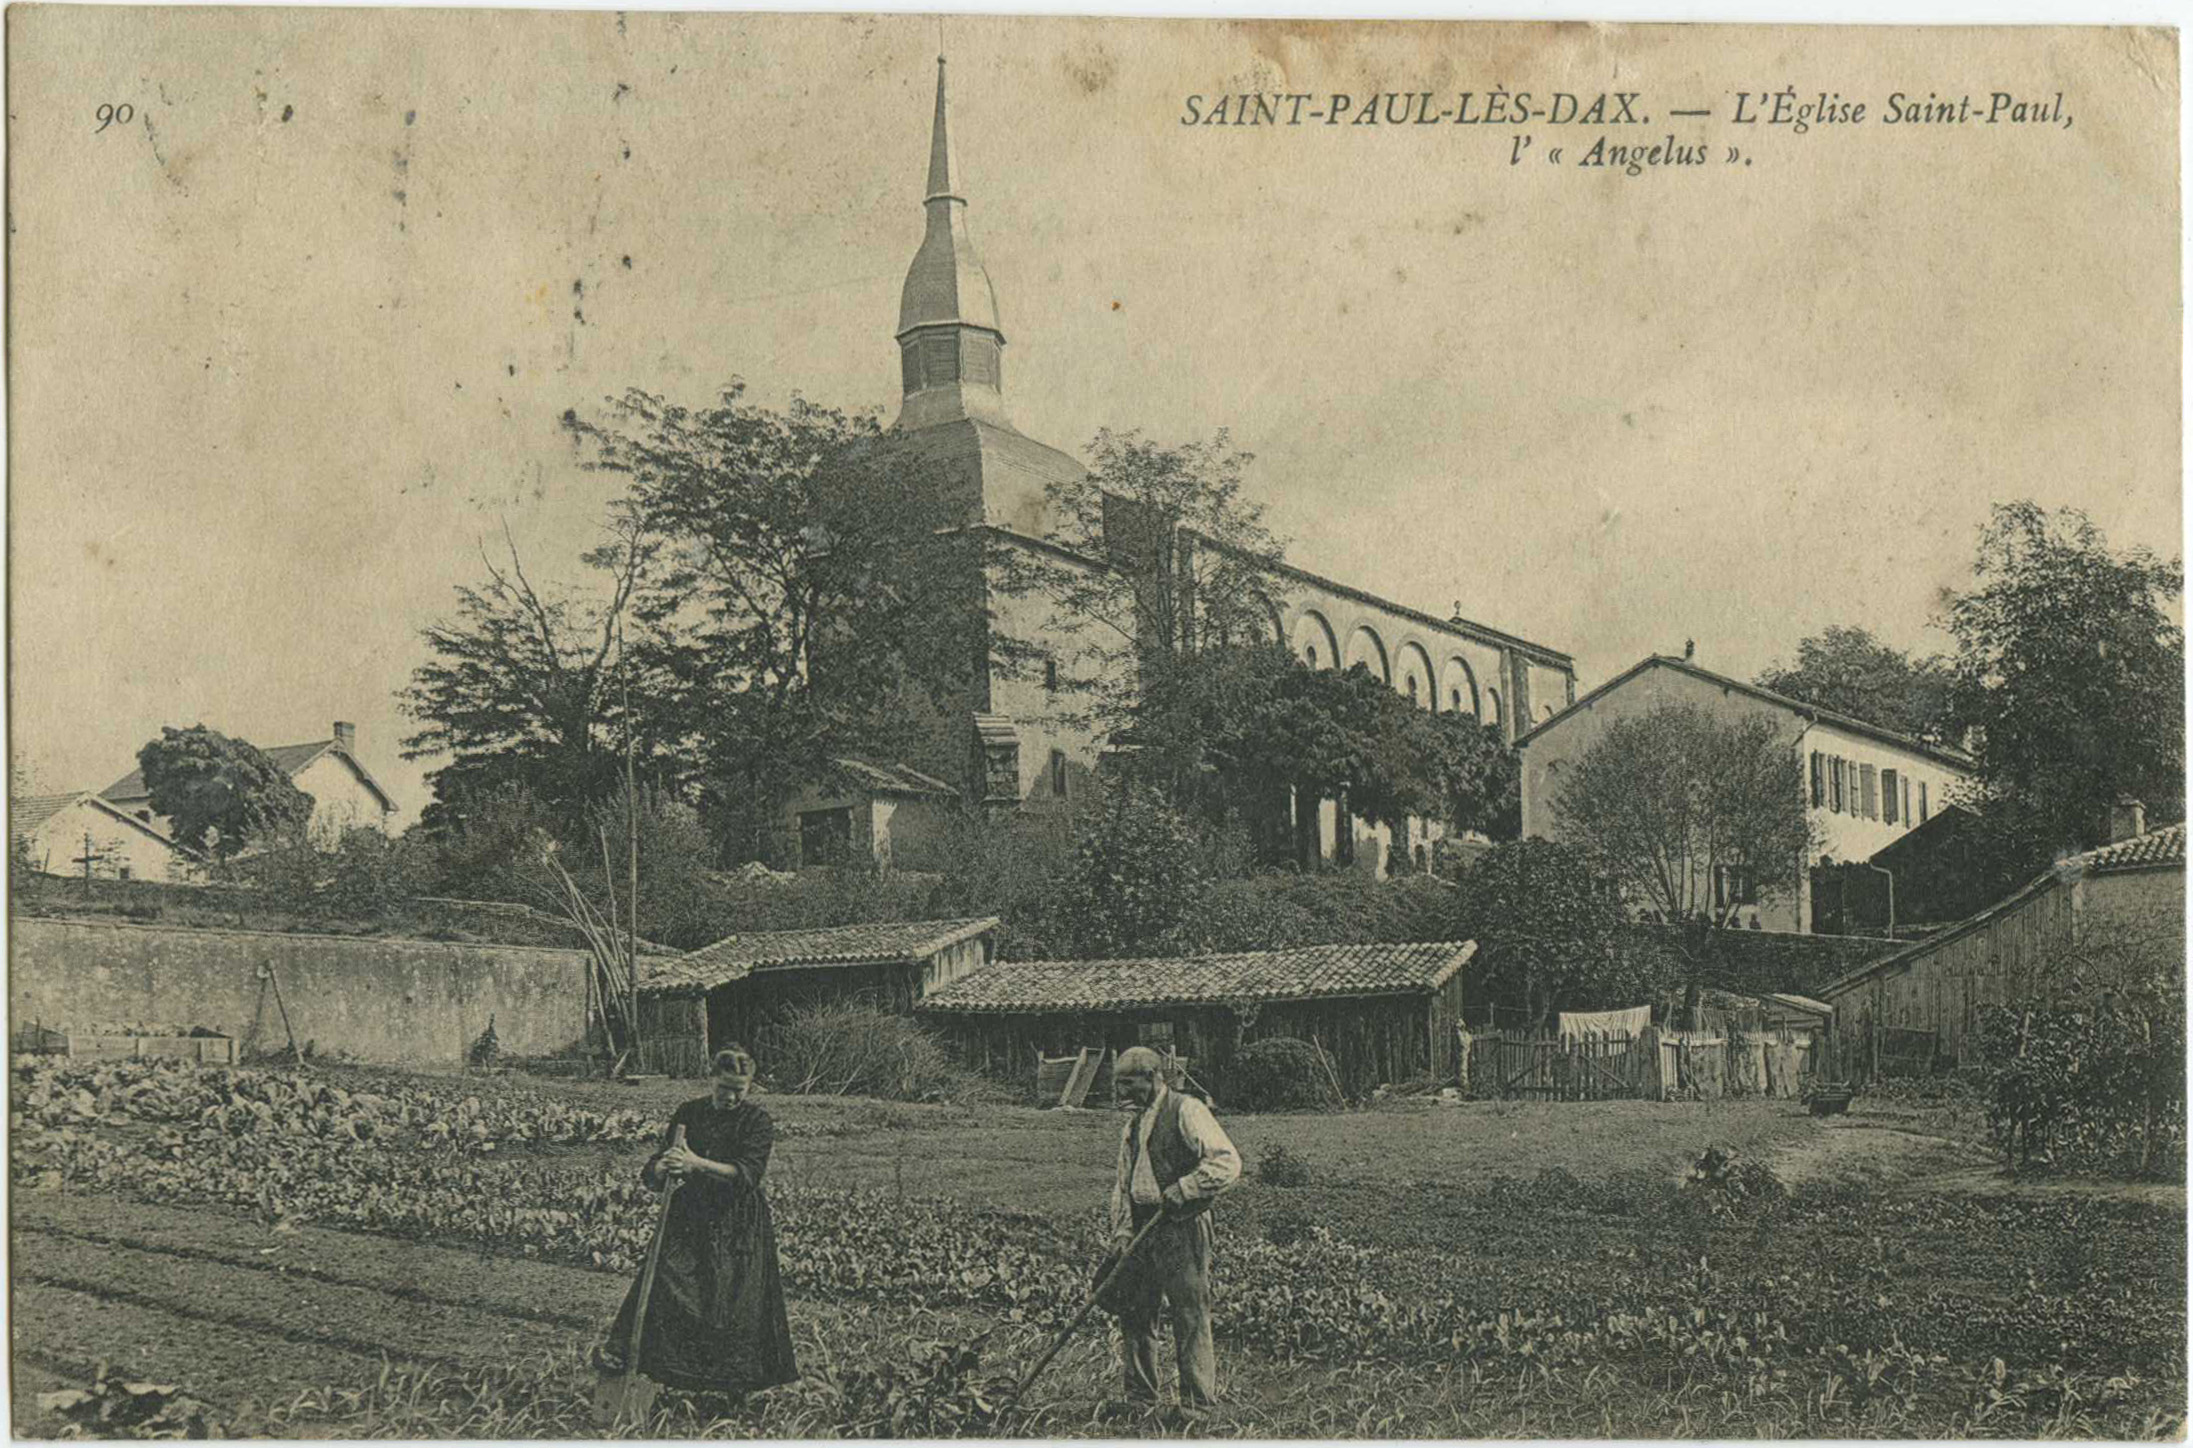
850	1049
1280	1167
1280	1074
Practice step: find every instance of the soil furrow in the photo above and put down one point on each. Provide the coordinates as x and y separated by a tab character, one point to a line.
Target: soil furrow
577	1322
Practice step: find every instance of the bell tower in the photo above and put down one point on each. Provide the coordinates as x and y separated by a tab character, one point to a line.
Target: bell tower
950	344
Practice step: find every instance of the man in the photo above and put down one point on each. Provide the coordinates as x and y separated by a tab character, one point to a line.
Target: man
1173	1160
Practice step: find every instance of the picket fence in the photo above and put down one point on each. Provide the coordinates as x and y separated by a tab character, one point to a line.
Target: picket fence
1657	1065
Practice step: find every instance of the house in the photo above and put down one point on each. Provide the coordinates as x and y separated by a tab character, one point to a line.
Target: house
889	814
2120	907
1919	878
345	795
1382	1013
735	989
55	833
1866	786
1019	739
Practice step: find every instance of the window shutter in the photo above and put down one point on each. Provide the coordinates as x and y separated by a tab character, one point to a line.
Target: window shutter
1888	796
1819	788
1868	791
1922	802
1907	801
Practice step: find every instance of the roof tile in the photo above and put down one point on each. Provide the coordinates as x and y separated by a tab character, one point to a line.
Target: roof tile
739	956
1304	973
2165	846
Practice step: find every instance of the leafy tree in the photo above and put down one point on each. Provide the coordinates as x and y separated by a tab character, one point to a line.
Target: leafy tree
2072	672
1186	564
1134	881
1479	781
524	690
1667	799
1850	671
203	781
1548	929
816	595
1228	731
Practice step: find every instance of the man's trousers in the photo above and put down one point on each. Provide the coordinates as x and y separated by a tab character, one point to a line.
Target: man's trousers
1170	1276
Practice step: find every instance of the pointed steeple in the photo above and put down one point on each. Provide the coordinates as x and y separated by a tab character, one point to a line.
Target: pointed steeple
941	160
948	334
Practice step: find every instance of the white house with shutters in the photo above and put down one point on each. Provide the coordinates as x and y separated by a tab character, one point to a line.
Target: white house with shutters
1865	785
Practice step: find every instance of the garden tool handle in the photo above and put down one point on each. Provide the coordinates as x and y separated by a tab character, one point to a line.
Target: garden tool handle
647	1276
1086	1308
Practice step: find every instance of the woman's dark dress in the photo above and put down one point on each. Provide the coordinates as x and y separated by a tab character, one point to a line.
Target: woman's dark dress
715	1323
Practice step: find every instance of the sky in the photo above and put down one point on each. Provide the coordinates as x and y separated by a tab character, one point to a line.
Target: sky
288	347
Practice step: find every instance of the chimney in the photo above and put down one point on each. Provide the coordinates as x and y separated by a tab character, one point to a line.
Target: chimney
346	738
2127	817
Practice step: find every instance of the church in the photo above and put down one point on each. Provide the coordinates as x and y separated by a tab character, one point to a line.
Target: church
1011	737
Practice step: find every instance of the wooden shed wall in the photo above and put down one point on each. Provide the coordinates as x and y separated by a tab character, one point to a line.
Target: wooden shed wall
1371	1039
1942	989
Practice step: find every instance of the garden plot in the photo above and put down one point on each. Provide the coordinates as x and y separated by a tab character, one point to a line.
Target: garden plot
445	1283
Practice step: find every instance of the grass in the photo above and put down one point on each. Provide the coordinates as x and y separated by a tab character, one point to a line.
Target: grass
1550	1215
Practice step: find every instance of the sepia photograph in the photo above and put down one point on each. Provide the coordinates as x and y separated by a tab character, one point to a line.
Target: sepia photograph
795	726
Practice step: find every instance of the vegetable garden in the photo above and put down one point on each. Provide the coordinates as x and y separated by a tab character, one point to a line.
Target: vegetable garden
1829	1312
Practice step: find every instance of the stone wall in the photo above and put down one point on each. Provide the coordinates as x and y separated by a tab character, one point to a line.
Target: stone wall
373	999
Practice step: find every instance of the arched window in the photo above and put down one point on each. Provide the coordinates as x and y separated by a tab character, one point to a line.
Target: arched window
1412	688
1492	702
1309	652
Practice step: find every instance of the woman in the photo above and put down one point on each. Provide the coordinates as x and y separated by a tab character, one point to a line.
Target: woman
715	1323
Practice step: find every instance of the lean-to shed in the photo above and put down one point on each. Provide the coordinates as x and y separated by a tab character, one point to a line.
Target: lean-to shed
1382	1013
732	990
2117	908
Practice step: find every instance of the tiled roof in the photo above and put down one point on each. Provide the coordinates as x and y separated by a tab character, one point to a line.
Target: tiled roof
31	811
742	955
1955	758
1304	973
2155	849
2165	846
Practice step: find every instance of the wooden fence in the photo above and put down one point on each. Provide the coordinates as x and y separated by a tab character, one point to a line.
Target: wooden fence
1658	1065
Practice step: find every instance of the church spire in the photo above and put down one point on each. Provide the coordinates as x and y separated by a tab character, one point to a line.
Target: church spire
948	334
941	168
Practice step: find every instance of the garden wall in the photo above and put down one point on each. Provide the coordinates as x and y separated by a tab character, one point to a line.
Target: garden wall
371	998
1760	961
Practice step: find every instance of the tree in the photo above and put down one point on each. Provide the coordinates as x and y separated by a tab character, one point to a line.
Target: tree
1679	806
1184	563
202	780
818	594
1548	929
1477	778
2072	673
525	690
1848	670
1132	885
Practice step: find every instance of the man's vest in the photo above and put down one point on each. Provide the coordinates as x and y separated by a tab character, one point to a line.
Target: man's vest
1172	1154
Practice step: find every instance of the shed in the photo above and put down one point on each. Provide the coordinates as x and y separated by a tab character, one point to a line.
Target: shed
736	988
2120	906
1382	1012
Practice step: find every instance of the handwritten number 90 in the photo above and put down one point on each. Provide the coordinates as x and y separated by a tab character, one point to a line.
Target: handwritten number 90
113	115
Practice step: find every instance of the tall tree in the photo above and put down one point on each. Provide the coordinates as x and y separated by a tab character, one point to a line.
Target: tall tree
525	689
1548	929
1232	730
1850	671
2072	671
1184	562
1676	805
220	794
817	594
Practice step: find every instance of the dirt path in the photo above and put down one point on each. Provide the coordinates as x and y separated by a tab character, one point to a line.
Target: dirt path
1895	1156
